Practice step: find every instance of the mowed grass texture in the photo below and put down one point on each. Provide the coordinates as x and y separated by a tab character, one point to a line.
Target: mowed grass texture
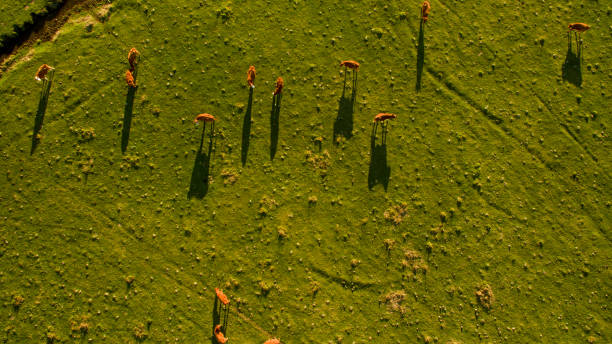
497	176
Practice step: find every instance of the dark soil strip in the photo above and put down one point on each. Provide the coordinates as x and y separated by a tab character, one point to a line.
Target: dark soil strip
22	32
43	27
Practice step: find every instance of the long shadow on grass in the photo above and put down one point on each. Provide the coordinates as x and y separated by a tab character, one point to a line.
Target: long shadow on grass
40	112
420	56
572	67
127	118
246	129
380	171
274	124
201	168
343	125
216	319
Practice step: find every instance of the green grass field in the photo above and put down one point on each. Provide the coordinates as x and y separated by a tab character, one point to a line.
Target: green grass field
483	216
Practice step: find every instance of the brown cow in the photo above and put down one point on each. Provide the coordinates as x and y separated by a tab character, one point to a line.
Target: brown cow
425	10
132	57
204	117
279	85
219	335
251	76
42	72
381	117
224	300
272	341
579	27
354	65
129	79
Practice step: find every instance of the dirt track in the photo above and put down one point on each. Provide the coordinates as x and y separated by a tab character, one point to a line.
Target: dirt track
44	29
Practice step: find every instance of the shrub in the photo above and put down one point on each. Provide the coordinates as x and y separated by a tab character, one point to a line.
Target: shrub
266	204
130	162
394	300
83	134
389	243
224	12
86	166
420	267
314	287
320	162
140	333
396	213
83	327
265	287
229	177
429	246
443	216
412	255
18	300
51	336
378	31
79	326
485	296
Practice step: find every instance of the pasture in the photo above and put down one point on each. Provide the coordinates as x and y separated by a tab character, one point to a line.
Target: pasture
482	215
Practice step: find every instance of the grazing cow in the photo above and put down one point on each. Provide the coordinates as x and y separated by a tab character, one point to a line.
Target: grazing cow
272	341
42	72
425	10
204	117
354	65
381	117
224	300
129	79
219	335
132	56
579	27
251	76
279	85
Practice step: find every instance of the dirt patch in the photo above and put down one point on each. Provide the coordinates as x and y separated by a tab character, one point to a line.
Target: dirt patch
27	56
45	29
102	12
87	21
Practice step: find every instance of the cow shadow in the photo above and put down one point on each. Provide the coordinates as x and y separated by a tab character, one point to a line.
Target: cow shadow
198	187
343	125
216	319
379	171
275	124
572	66
246	129
420	56
127	118
40	112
